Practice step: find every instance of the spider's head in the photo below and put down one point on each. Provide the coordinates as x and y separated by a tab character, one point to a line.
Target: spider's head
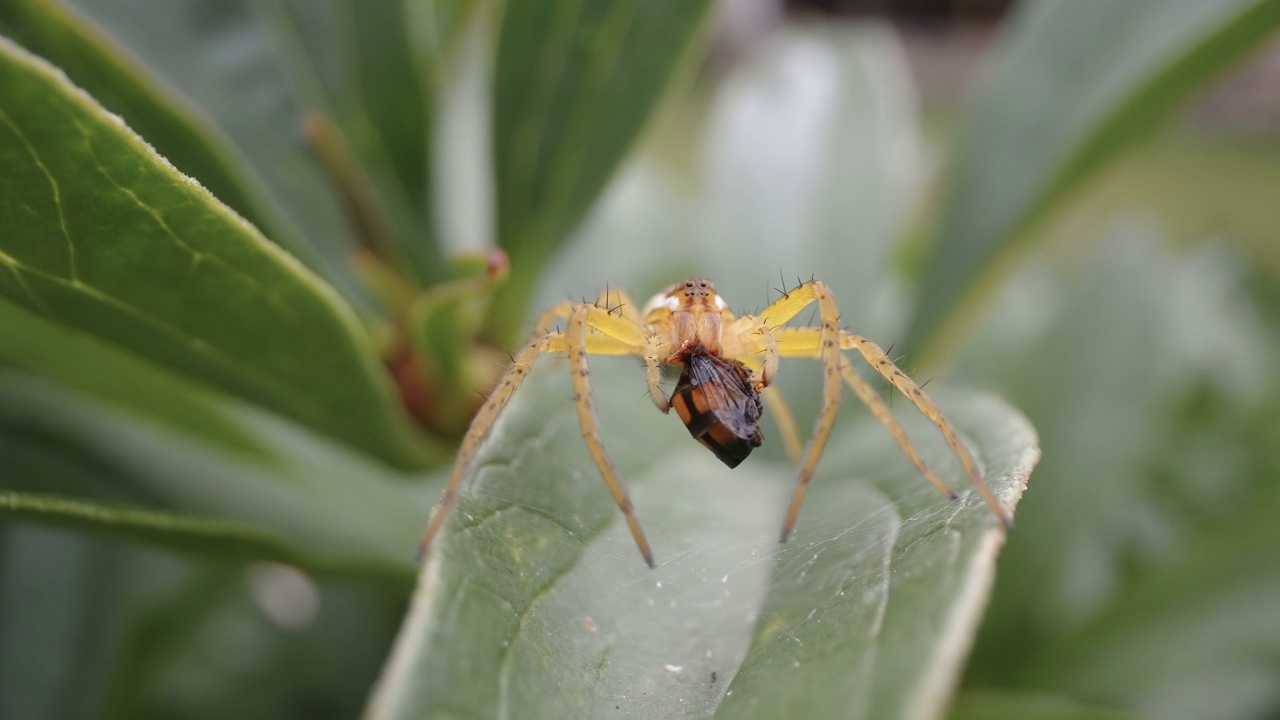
692	311
691	295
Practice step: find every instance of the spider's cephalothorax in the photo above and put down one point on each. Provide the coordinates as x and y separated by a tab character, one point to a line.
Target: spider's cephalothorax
686	314
727	365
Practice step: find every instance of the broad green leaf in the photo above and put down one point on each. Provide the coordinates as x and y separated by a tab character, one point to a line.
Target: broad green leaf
1143	573
106	236
351	61
115	474
165	529
573	86
244	68
61	598
93	437
1024	705
1072	85
102	630
536	601
125	87
95	368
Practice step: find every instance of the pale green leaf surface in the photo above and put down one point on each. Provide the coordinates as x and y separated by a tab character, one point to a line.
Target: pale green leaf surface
811	159
113	472
61	598
105	236
1072	85
1144	571
535	602
1027	705
95	437
573	86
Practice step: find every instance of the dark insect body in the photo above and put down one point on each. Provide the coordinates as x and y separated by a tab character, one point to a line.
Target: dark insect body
719	403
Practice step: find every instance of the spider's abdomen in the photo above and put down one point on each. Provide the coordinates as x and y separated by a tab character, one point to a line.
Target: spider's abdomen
719	404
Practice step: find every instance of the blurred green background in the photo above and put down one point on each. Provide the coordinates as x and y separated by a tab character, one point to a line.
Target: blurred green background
1069	205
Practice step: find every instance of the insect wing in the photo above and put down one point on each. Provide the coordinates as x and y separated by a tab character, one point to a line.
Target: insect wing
720	406
729	396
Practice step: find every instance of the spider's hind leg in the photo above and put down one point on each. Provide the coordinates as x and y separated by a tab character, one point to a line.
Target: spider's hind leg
878	359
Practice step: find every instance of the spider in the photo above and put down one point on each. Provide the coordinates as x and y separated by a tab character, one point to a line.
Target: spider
727	365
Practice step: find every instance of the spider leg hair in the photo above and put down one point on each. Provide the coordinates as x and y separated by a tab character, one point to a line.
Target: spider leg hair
522	362
613	299
546	322
626	316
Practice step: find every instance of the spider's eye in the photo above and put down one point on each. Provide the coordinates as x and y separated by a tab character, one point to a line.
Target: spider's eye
702	283
688	283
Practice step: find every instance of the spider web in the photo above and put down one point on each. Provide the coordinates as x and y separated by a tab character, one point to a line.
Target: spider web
537	603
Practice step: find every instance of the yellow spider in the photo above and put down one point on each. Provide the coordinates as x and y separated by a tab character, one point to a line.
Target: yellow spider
727	363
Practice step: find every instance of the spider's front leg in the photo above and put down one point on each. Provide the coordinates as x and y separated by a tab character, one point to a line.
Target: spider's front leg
576	342
482	424
582	343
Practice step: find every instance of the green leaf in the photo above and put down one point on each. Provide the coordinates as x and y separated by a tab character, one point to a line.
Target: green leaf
101	440
1220	600
61	598
106	236
573	86
350	61
1074	84
1142	574
535	597
1014	705
122	85
243	67
101	630
74	462
169	530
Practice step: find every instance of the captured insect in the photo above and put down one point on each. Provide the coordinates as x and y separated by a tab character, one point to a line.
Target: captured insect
727	364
